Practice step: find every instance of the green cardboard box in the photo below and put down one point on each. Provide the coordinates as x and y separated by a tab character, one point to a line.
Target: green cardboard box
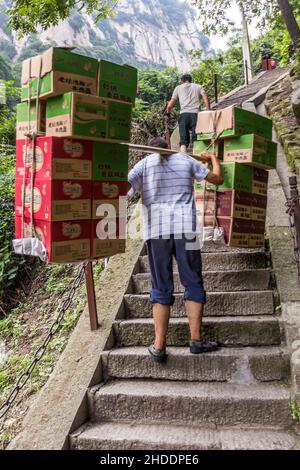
251	149
230	122
110	162
202	146
60	71
88	117
33	121
241	178
118	82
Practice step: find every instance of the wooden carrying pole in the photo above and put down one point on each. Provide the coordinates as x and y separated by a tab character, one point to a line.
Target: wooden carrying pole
90	289
162	151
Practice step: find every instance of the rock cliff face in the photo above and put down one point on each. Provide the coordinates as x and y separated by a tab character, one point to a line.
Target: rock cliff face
143	32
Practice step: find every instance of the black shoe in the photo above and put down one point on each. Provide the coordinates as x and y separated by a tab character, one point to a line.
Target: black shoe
201	346
157	355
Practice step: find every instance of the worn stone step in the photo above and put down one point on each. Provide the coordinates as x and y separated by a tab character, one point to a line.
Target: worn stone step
214	281
218	304
229	331
222	261
226	364
130	436
218	403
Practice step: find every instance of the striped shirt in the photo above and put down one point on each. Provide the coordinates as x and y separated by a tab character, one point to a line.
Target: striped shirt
166	187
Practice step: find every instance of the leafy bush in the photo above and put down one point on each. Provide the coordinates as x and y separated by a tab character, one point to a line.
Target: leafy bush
9	263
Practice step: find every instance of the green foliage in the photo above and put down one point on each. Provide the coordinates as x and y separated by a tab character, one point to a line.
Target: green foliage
27	16
157	86
227	65
9	263
215	13
295	410
5	71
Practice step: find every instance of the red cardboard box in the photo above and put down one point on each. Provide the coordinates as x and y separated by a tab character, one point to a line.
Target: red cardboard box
113	193
64	241
232	203
109	189
260	181
108	237
56	158
242	233
55	200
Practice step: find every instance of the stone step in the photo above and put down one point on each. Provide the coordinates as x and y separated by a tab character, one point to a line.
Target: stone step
229	331
217	403
130	436
218	304
227	364
222	261
214	281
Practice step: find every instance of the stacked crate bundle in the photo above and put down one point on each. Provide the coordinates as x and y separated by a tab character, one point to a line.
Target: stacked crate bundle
71	172
245	146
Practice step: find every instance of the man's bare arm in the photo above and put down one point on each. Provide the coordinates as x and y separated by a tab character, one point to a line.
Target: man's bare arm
171	105
215	176
206	100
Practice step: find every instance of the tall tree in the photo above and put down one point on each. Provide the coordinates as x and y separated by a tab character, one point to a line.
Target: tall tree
214	14
28	16
290	20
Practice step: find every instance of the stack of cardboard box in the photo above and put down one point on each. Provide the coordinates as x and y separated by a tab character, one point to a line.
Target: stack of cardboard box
245	146
81	110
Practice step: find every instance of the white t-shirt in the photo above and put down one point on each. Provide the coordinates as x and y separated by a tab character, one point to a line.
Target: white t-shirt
189	95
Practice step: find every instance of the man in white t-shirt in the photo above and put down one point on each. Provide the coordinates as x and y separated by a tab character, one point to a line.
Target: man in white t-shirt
189	95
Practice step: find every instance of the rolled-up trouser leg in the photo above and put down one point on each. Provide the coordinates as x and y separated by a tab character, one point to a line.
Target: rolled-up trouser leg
184	129
190	269
160	253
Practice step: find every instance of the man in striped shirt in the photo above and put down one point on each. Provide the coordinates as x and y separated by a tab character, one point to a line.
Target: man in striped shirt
169	217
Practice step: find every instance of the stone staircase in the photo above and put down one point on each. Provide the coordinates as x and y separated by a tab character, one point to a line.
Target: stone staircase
235	398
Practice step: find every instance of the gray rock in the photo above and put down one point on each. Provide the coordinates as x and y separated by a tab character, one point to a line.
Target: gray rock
295	98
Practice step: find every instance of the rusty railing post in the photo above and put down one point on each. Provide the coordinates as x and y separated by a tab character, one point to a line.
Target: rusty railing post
216	87
90	289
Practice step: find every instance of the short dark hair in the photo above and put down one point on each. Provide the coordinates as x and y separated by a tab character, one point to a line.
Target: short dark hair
187	78
158	142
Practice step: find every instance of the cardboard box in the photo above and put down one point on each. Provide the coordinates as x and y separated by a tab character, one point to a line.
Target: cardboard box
232	203
240	177
88	117
109	207
65	242
118	82
108	237
60	71
109	189
251	149
260	181
113	193
55	157
232	121
203	146
55	200
30	120
243	233
110	162
107	248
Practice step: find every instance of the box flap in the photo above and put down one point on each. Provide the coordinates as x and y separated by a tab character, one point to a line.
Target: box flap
214	121
205	122
36	66
224	119
26	65
47	58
